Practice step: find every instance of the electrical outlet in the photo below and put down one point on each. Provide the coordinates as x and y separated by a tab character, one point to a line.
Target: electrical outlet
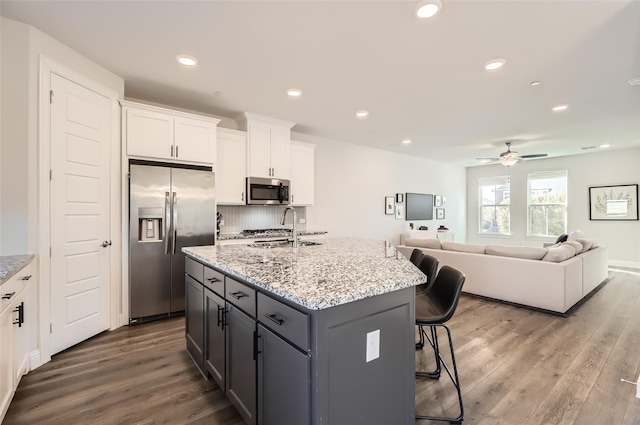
373	345
302	221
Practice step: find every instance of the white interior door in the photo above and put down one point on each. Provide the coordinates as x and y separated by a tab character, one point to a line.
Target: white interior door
80	276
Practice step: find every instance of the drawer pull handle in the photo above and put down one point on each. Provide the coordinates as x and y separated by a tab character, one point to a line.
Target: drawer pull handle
8	296
25	277
213	279
20	310
237	295
275	319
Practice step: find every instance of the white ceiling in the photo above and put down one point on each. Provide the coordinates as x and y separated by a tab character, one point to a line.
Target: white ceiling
422	80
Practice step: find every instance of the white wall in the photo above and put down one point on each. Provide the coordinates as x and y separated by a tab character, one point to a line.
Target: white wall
351	182
22	47
606	167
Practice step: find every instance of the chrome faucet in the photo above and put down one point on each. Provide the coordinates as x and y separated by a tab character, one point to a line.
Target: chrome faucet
294	230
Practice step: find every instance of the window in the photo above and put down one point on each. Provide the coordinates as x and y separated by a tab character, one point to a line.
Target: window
547	205
495	215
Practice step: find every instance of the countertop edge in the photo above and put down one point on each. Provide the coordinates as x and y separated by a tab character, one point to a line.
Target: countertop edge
10	265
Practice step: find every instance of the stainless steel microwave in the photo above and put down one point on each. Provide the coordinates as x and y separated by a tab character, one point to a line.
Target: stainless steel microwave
261	191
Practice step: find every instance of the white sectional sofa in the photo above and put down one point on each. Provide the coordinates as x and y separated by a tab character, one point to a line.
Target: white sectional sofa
495	271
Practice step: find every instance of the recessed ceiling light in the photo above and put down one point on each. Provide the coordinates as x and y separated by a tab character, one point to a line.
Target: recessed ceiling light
560	108
534	83
294	93
494	64
187	60
362	114
635	81
485	161
605	145
406	141
428	8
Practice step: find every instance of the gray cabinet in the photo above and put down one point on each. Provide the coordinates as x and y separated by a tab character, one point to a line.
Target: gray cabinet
241	363
283	381
194	320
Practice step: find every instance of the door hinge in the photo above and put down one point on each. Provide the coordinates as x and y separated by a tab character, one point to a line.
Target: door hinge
50	96
49	251
50	328
50	175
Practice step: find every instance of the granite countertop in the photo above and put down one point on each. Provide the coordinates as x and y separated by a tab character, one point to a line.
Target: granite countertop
285	233
338	271
12	264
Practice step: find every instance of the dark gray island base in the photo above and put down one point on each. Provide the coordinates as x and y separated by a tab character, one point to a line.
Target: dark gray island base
317	335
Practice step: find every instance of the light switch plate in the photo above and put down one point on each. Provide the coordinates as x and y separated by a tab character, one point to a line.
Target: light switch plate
373	345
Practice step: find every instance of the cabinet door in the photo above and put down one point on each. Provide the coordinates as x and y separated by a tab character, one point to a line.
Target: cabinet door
231	168
302	174
195	141
6	360
215	337
241	363
280	152
194	320
149	134
283	382
259	150
21	337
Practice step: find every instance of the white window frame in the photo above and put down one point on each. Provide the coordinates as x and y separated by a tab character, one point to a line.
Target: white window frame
543	175
493	181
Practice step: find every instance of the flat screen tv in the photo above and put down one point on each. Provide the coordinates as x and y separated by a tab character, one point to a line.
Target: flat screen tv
418	206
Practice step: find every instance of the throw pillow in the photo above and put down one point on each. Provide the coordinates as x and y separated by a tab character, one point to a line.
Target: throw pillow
562	238
557	254
586	244
575	235
577	246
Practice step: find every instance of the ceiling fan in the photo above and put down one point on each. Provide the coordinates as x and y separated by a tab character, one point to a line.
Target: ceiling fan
510	157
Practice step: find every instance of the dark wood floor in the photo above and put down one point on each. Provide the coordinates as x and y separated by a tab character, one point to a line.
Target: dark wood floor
517	366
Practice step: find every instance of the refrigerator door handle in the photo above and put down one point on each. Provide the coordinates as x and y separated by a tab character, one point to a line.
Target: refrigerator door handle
167	221
174	222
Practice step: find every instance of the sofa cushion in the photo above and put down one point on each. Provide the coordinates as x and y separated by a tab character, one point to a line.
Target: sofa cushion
560	253
423	243
577	246
526	252
463	247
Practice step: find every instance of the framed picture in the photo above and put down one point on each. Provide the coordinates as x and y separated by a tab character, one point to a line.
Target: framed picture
439	213
399	212
399	198
614	203
437	200
388	205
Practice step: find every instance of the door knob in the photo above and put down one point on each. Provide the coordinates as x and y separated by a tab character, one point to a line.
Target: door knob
105	244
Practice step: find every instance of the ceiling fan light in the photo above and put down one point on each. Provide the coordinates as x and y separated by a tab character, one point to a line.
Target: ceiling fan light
508	161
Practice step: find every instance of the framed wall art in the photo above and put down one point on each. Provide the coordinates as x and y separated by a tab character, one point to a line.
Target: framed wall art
613	203
437	200
399	198
388	205
439	213
399	212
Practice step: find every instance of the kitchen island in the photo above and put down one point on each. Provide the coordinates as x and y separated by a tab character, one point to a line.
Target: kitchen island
321	334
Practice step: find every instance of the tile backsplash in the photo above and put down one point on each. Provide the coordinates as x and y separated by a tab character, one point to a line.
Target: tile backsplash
243	217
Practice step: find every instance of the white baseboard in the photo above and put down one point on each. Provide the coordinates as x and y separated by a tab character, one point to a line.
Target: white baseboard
628	264
35	360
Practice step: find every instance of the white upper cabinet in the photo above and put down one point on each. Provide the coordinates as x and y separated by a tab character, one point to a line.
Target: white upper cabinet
268	146
231	167
302	173
158	133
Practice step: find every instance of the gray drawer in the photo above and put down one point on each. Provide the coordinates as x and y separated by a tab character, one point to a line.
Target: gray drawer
241	296
194	269
214	280
284	320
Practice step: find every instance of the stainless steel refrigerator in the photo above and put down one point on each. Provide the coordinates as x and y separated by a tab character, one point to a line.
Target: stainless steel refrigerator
170	207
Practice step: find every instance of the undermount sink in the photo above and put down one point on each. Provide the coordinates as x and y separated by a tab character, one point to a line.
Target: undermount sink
279	243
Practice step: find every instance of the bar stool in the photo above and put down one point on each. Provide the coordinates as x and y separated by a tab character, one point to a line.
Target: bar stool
428	266
416	257
433	309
